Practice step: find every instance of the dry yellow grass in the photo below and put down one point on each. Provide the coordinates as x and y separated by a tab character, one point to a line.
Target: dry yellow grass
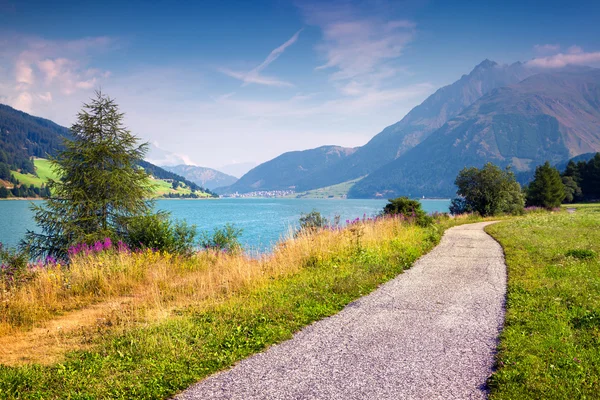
117	290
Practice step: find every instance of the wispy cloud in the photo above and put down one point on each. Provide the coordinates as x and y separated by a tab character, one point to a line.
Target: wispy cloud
574	55
36	70
254	75
361	43
544	49
158	155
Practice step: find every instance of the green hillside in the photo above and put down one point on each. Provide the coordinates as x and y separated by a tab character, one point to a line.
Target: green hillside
43	169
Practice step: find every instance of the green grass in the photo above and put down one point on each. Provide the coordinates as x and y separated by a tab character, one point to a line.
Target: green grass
335	191
42	168
162	187
158	360
550	345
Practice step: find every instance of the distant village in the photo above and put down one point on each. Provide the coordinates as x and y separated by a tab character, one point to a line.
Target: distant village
261	193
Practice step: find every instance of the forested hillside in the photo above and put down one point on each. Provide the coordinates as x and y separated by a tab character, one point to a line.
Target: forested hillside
24	137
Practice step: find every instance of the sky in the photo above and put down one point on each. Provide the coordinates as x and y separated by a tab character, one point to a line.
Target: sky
215	83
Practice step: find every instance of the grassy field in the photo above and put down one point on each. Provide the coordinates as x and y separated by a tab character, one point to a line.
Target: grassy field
336	191
148	325
162	187
43	170
550	346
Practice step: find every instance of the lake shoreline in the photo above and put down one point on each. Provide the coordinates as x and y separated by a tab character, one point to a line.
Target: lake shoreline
264	221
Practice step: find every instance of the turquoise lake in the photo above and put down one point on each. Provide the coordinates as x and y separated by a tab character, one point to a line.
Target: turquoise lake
264	221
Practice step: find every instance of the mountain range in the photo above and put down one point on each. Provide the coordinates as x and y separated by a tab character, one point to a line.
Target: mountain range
511	115
547	117
284	172
206	177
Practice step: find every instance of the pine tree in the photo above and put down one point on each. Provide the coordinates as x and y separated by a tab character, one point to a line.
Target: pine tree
100	187
590	179
546	189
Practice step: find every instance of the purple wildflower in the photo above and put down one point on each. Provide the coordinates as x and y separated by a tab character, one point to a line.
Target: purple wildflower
49	261
122	247
98	247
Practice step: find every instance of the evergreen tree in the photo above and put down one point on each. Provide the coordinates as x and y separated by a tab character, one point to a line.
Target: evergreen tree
100	186
572	190
4	192
573	170
4	172
590	179
546	189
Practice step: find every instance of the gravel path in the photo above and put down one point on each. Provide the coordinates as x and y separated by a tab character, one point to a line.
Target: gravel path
428	334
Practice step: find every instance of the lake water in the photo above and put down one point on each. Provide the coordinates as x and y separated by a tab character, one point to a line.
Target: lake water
264	221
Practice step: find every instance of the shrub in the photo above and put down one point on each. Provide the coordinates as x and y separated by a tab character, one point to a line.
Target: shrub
222	239
158	232
313	221
460	205
13	266
411	209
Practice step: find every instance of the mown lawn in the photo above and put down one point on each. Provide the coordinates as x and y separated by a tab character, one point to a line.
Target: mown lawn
550	345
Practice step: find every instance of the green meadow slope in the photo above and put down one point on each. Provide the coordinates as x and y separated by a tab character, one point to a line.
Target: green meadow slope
43	170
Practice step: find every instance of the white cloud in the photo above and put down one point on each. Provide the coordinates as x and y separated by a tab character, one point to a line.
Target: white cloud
159	156
574	56
361	44
358	48
544	49
248	78
46	97
43	69
358	43
254	75
23	72
23	102
574	50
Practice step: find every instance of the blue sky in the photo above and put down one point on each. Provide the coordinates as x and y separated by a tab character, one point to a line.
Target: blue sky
220	82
